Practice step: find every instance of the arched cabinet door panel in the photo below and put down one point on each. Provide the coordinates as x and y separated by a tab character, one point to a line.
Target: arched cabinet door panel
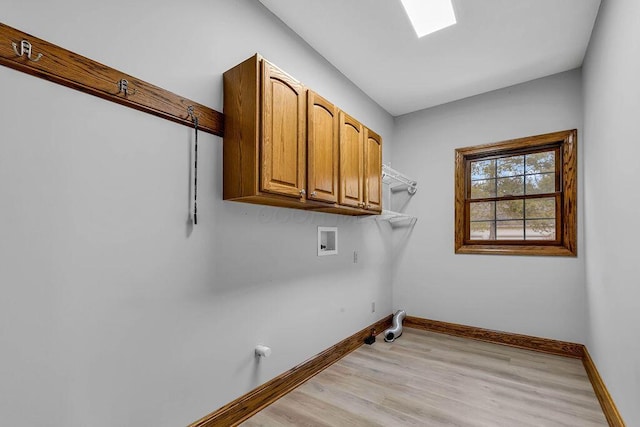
322	149
282	152
372	171
351	161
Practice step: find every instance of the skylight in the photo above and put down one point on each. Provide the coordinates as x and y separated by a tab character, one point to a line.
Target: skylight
429	16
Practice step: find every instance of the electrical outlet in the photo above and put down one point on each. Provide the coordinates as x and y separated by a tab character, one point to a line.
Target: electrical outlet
355	257
373	307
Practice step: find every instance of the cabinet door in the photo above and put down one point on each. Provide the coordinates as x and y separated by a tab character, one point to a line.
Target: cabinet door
372	171
282	150
351	161
322	149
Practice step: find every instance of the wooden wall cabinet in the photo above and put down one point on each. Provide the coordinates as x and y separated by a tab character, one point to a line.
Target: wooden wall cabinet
264	151
284	145
360	165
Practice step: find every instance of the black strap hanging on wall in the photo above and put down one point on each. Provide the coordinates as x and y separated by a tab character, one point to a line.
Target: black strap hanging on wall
195	165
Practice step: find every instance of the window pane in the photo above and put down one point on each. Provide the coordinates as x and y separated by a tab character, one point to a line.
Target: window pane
541	183
511	186
510	166
540	208
481	211
483	188
483	169
483	230
541	229
540	162
510	230
510	209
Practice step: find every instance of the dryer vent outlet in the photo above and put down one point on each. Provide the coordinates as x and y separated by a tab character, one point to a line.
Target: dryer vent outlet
396	326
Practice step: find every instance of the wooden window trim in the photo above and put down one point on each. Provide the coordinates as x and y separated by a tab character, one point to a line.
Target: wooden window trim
566	243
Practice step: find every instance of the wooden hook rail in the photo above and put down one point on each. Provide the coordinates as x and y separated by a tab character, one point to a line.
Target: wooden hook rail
23	52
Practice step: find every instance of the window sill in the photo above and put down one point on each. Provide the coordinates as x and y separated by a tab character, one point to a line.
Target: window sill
517	250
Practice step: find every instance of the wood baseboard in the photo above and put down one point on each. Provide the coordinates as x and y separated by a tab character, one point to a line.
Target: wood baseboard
545	345
247	405
606	402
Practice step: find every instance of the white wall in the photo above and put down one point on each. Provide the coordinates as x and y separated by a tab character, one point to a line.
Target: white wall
114	311
612	201
540	296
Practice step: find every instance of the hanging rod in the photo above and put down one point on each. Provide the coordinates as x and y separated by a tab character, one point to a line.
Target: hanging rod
31	55
389	172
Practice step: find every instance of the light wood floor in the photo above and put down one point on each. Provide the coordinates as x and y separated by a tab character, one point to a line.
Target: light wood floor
429	379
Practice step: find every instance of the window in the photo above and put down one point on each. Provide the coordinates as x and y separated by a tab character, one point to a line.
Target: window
518	197
429	16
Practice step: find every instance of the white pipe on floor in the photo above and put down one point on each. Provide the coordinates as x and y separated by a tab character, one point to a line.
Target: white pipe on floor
396	326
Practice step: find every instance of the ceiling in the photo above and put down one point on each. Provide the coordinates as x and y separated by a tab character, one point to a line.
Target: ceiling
495	44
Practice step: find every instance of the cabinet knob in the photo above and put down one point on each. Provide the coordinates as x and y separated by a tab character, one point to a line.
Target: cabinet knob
314	194
303	192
